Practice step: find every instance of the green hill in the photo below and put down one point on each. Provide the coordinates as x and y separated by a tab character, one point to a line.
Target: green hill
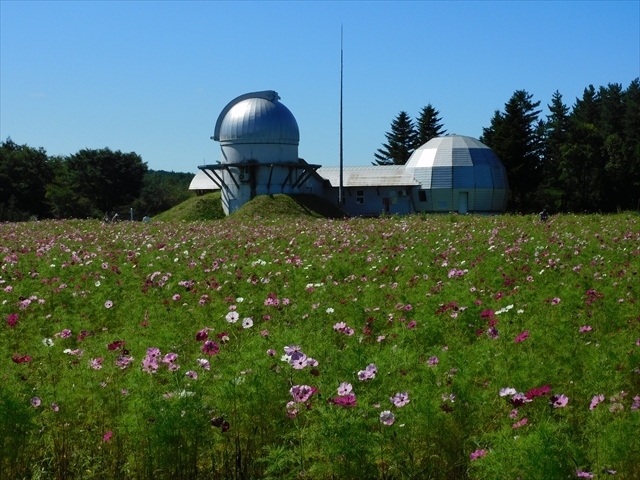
204	207
209	207
276	206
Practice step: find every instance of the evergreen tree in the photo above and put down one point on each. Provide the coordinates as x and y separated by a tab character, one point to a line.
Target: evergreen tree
515	137
401	142
555	134
429	125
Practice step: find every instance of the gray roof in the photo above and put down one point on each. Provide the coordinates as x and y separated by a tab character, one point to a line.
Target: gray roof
256	118
373	176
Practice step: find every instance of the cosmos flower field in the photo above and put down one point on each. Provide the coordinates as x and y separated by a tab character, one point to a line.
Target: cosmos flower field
442	347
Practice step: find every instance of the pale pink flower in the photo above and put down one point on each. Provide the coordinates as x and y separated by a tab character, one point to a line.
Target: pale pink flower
387	417
595	401
559	401
344	389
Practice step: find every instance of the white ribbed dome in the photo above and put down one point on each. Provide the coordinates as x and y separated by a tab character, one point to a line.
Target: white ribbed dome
456	165
257	118
453	151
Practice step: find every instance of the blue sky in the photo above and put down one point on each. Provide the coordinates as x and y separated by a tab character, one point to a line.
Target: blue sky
152	77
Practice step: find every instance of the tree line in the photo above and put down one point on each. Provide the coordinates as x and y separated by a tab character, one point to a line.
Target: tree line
91	183
583	158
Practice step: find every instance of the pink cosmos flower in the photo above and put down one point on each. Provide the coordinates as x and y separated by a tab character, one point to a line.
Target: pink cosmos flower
520	423
595	401
400	399
583	474
433	361
302	393
107	436
66	333
202	335
585	328
292	411
299	362
176	297
555	301
344	389
192	375
55	407
412	324
345	401
519	399
368	373
492	333
387	417
204	363
522	337
96	363
559	401
271	352
17	358
35	402
538	392
170	358
477	454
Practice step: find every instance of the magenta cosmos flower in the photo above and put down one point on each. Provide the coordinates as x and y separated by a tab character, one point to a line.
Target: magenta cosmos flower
210	348
477	454
12	320
522	337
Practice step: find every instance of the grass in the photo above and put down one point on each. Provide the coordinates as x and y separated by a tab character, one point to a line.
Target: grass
263	207
436	303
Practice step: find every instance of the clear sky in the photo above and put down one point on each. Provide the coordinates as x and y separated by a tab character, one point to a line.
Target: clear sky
152	77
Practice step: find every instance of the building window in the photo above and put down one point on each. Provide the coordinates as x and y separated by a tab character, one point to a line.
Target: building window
422	195
360	197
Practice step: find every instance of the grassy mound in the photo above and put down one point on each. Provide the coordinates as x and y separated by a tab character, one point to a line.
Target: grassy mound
276	206
205	207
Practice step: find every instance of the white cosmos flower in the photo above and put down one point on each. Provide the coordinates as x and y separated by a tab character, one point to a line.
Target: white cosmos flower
247	323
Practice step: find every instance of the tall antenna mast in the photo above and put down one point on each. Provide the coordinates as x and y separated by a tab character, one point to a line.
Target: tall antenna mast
340	188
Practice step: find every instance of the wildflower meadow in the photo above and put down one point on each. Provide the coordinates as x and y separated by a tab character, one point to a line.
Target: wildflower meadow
422	347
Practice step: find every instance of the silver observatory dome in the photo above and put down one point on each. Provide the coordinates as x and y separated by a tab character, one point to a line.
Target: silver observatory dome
256	118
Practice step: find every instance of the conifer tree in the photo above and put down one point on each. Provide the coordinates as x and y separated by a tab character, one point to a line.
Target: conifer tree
429	125
401	142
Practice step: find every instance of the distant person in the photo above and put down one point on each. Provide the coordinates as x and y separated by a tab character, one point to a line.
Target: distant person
146	219
115	218
106	217
544	215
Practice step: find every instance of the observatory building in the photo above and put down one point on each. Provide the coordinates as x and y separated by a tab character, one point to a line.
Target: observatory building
259	140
